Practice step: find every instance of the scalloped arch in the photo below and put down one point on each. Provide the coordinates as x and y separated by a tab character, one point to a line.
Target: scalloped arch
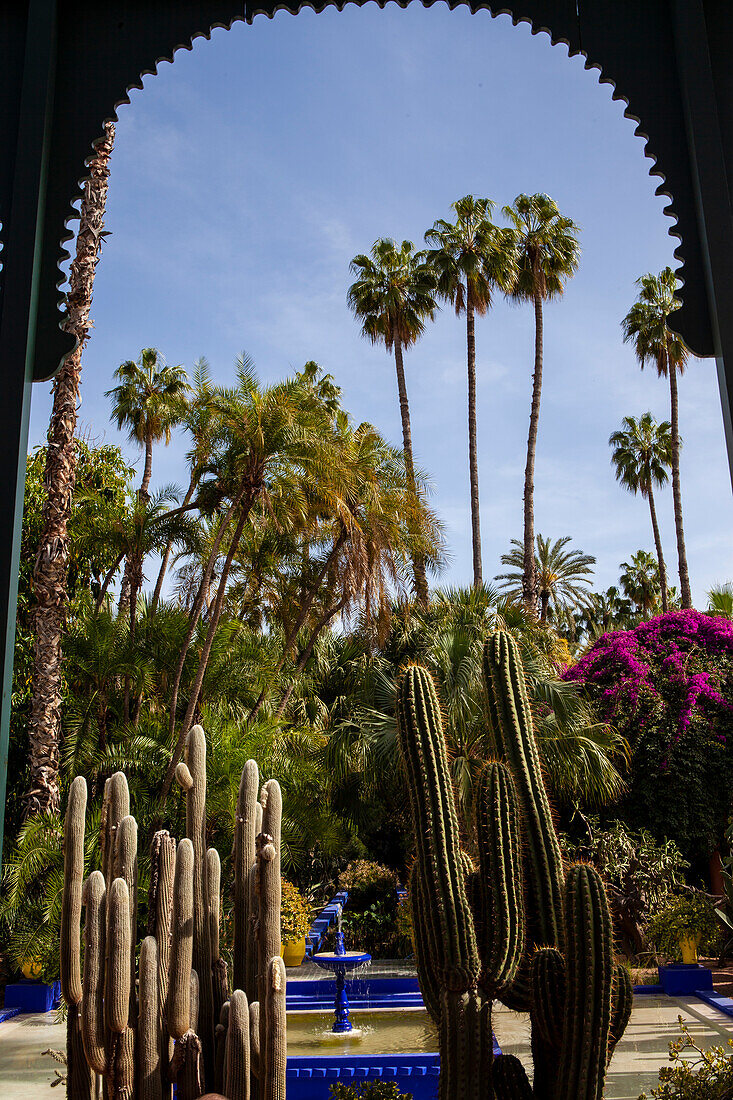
103	51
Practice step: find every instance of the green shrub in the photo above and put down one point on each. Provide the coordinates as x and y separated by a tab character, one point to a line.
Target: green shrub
367	882
369	1090
295	918
709	1076
370	918
688	915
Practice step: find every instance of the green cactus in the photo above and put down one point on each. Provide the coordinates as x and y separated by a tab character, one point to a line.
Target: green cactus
181	958
268	892
623	1002
469	927
160	917
589	981
218	966
501	924
511	719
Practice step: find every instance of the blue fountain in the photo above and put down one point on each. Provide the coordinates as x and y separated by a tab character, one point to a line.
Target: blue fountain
341	962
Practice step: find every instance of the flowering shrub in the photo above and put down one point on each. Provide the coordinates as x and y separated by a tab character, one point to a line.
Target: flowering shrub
295	920
667	686
370	915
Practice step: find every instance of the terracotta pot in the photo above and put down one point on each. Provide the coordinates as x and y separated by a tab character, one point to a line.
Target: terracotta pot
294	952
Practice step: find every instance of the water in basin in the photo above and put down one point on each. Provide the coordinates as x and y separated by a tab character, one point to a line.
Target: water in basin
380	1032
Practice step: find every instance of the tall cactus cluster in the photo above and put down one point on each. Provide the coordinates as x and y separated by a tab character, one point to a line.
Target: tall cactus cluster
140	1021
520	928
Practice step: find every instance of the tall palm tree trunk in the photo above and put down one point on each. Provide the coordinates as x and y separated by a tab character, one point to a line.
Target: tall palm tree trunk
143	491
529	579
472	445
676	488
167	553
49	574
660	555
208	643
418	563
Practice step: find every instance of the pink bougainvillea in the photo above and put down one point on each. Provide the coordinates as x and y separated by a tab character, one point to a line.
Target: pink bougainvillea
627	666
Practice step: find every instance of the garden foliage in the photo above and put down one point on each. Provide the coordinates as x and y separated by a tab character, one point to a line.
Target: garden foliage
708	1076
667	686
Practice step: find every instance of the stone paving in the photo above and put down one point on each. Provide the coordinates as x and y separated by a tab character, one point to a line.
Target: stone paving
26	1074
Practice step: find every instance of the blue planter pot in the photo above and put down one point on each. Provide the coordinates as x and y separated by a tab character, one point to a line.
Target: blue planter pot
680	978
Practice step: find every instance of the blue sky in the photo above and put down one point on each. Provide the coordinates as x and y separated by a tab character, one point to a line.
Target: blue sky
249	172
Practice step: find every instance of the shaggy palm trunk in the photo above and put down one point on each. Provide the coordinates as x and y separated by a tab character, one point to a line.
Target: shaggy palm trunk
49	575
529	578
208	643
676	489
418	563
472	446
660	556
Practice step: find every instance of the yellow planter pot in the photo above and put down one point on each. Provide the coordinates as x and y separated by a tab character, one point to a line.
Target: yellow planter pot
688	947
294	952
31	969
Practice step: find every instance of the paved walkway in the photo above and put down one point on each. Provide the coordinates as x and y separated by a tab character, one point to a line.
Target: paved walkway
25	1074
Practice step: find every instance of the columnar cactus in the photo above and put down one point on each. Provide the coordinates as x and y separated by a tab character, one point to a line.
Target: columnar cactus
473	942
191	776
138	1043
79	1073
449	959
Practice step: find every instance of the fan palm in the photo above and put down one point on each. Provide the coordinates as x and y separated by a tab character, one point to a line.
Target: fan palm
641	455
562	576
471	258
393	296
148	401
720	600
639	580
547	256
645	326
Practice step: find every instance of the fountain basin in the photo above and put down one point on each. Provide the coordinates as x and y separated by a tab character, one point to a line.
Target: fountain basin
391	1046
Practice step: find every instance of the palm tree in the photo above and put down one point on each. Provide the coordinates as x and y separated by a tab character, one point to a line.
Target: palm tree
562	576
149	401
271	441
471	258
720	600
50	572
642	454
639	580
547	256
393	297
199	420
645	326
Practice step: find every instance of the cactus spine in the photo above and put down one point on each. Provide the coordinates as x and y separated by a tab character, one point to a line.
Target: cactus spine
472	943
124	1038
